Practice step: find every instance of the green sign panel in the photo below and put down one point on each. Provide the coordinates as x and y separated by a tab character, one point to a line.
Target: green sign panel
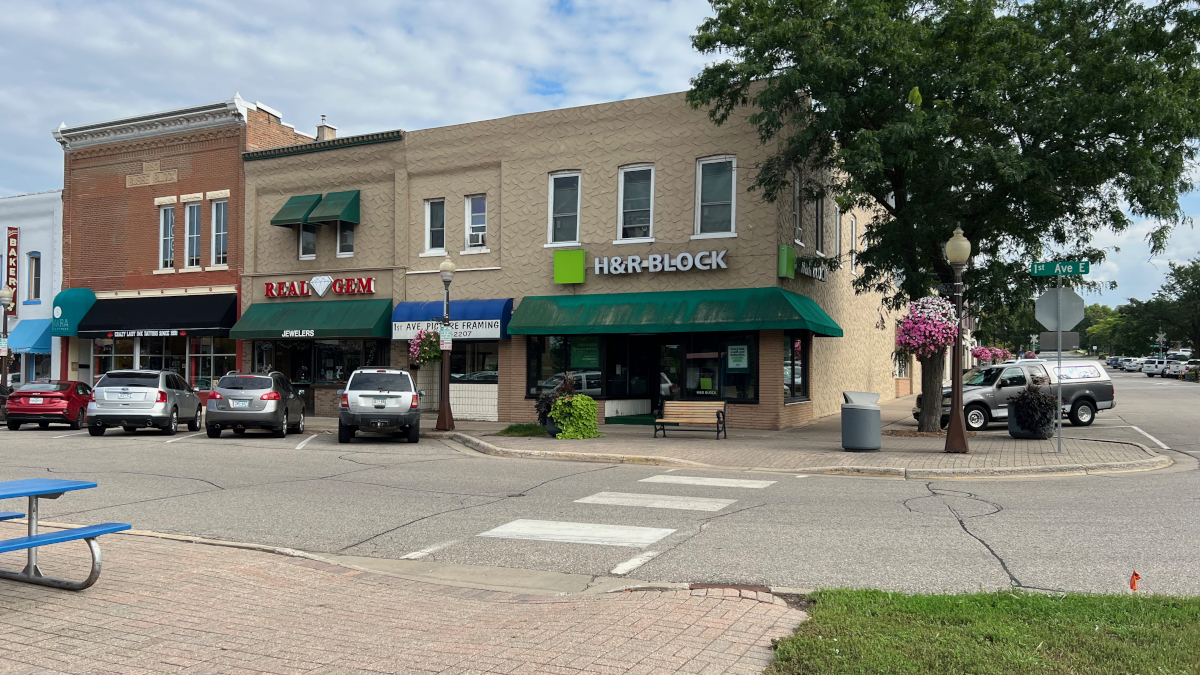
1050	269
585	352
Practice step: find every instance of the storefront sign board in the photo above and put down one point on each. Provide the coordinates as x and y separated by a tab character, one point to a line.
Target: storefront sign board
585	352
667	262
319	285
11	254
481	329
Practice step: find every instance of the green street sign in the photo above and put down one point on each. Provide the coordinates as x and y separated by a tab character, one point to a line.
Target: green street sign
1050	269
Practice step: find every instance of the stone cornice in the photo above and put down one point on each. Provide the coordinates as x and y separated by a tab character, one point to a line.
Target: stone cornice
232	111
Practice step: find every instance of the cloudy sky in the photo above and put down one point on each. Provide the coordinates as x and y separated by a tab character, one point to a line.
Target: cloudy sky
369	66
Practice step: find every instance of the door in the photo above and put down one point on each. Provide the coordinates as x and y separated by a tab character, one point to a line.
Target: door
1011	382
670	371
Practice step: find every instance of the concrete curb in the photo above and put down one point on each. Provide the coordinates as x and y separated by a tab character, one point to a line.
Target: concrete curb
1155	461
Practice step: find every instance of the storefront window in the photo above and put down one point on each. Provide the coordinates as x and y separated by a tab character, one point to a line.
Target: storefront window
319	361
111	354
163	353
211	357
796	346
475	362
721	366
546	357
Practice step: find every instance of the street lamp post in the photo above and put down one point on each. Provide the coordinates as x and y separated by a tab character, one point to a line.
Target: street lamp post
6	296
958	252
445	420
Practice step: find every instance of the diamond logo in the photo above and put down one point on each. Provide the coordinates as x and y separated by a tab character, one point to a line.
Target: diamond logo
320	285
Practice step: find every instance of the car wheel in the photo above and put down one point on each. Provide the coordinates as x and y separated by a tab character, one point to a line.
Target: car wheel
239	432
97	430
172	424
214	432
1083	413
43	425
977	418
282	430
299	428
194	425
1149	374
345	433
80	420
13	426
414	433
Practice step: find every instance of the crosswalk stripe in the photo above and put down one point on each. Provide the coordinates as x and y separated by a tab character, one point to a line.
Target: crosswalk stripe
656	501
579	533
710	482
633	563
416	555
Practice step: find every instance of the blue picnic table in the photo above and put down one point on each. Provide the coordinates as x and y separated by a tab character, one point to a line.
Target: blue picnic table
49	488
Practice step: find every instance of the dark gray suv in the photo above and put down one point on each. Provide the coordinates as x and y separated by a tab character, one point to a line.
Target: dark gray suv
242	401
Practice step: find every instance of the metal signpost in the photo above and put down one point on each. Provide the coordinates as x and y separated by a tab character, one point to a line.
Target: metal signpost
1056	310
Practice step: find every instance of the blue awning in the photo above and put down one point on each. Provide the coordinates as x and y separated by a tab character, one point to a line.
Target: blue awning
31	336
470	319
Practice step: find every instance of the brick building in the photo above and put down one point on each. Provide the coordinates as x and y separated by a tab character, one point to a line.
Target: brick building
152	238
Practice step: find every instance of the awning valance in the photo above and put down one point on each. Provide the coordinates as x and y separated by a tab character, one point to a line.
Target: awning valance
70	306
314	319
336	207
470	319
30	336
166	315
731	309
296	210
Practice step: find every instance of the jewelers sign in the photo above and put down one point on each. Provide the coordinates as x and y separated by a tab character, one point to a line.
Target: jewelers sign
473	329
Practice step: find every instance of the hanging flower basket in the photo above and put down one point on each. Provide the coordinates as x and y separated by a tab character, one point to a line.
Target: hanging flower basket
425	347
930	327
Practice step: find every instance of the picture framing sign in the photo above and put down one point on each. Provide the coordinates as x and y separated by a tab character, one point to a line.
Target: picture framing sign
471	329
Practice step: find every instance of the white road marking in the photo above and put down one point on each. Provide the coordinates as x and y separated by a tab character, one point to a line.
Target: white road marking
633	563
305	441
670	470
710	482
182	438
656	501
1162	445
802	476
426	551
77	433
579	533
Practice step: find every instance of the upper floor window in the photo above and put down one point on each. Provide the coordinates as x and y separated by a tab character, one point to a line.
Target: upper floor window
220	233
476	221
166	237
35	276
837	232
636	188
308	241
715	199
345	240
435	225
853	245
564	208
191	218
797	210
819	225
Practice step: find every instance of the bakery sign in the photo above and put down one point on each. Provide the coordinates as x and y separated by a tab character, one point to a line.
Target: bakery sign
319	286
11	253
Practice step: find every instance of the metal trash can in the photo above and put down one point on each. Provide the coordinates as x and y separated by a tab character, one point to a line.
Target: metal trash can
862	427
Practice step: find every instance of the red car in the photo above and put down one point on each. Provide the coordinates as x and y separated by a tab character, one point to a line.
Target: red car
46	401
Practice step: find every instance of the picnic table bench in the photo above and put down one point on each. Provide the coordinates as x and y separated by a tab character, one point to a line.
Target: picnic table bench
49	488
691	412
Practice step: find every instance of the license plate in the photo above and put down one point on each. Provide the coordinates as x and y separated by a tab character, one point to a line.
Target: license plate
380	402
124	396
239	404
36	400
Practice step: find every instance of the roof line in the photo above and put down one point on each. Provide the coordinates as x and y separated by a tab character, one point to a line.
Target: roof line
333	144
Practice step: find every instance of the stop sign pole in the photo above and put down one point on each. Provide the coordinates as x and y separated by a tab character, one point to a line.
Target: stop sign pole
1058	269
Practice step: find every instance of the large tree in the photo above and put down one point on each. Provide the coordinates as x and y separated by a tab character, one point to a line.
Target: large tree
1178	302
1032	125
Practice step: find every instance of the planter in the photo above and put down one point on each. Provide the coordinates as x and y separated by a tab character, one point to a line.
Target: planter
552	428
1016	431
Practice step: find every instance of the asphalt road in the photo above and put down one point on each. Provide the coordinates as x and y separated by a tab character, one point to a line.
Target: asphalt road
432	501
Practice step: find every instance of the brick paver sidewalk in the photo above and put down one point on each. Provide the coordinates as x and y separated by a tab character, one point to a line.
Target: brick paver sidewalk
166	606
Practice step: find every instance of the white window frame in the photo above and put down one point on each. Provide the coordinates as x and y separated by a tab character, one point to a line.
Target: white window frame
837	233
33	282
435	251
188	224
468	249
819	226
216	206
797	210
338	240
621	171
550	243
300	241
696	234
853	245
162	211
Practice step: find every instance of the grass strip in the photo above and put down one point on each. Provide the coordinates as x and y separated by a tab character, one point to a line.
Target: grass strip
529	429
868	631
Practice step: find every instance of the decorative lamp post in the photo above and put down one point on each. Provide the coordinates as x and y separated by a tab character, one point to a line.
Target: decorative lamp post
6	296
958	252
445	420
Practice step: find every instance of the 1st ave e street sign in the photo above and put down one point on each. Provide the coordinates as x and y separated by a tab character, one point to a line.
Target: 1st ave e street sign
1050	269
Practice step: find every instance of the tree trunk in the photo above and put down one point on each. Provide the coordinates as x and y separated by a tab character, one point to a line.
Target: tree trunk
932	369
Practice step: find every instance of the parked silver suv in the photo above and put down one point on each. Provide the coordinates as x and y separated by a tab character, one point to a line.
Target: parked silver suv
242	401
379	399
132	399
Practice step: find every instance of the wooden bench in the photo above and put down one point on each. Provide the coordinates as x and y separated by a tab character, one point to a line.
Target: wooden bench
691	412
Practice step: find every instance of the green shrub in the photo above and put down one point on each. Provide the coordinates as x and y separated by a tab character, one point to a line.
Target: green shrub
576	416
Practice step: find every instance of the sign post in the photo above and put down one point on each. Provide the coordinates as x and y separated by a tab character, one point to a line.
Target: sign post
1075	315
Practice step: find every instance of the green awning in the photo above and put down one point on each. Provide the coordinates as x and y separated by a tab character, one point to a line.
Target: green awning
732	309
336	206
70	306
315	319
296	210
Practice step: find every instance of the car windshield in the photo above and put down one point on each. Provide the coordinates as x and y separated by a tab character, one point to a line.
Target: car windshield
46	386
981	376
129	380
244	382
379	382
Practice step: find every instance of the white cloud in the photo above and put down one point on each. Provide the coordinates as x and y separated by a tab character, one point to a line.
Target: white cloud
1137	273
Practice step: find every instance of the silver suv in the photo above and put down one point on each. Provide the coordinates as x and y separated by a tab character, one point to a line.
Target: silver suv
379	399
132	399
242	401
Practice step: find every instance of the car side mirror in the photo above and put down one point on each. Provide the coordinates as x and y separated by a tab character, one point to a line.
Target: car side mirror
420	392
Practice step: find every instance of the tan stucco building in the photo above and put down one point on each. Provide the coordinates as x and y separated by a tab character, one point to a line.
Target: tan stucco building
623	234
